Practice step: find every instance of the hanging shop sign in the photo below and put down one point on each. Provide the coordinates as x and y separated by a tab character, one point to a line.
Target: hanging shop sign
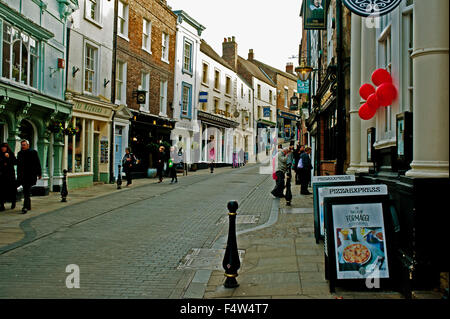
367	8
266	112
303	87
314	15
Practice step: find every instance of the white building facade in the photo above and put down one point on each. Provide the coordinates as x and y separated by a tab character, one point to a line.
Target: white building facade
87	154
187	86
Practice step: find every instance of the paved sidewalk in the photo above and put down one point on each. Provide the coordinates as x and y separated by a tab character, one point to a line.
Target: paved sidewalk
284	261
10	220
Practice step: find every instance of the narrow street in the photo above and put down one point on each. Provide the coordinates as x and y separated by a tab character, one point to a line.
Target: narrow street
130	244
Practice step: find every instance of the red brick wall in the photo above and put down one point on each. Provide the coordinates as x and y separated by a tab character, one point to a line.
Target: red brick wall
162	20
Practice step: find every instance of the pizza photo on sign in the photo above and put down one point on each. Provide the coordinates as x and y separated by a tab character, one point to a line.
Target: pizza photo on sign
359	249
359	241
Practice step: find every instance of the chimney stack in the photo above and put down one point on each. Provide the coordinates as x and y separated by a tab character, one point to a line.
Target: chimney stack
230	52
250	55
290	67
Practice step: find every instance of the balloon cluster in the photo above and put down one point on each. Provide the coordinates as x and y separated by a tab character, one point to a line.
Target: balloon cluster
384	95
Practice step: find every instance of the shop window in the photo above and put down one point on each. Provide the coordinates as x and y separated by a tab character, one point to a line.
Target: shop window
78	147
330	135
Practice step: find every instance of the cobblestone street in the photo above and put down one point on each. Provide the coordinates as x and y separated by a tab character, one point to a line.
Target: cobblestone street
129	244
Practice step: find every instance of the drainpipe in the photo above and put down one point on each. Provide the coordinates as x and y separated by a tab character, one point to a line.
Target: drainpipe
341	154
113	95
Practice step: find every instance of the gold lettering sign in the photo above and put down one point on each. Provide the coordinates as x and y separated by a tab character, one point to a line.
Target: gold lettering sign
91	108
325	98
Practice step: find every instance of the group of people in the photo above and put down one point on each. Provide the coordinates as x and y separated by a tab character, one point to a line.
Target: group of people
297	159
129	161
28	171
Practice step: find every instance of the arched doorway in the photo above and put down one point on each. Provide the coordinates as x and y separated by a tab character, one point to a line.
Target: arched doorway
27	132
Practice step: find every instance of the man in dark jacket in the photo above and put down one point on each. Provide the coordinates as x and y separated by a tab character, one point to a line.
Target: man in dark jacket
305	171
28	171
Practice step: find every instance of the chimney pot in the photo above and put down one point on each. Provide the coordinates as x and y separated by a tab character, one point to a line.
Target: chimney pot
250	55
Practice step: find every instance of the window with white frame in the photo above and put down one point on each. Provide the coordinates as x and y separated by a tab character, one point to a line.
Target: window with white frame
165	47
145	85
407	49
286	97
186	100
249	95
205	73
92	10
259	91
217	79
146	35
242	91
330	32
385	62
122	19
163	97
20	56
90	69
270	96
228	85
121	82
187	56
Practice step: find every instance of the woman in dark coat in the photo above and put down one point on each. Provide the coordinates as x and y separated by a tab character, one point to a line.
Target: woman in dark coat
8	185
305	171
128	162
160	160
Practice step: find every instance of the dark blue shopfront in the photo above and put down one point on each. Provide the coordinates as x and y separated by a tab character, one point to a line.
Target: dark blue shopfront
287	125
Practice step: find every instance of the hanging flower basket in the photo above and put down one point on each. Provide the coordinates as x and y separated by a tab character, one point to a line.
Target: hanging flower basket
71	131
56	127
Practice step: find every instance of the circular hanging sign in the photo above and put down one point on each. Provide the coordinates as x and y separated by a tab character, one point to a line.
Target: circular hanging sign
367	8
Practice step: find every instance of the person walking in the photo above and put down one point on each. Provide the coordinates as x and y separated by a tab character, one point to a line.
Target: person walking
160	160
282	167
128	163
28	171
172	166
8	186
301	150
305	168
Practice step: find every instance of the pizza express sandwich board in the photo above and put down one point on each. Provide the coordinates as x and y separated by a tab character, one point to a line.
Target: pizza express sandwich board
318	182
356	241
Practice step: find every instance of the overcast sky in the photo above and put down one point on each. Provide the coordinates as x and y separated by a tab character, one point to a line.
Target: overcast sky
272	28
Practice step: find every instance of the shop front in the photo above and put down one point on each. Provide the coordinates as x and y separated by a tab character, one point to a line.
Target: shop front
87	147
147	133
30	115
217	138
287	125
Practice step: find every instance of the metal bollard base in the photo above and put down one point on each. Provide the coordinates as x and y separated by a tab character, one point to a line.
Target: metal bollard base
231	282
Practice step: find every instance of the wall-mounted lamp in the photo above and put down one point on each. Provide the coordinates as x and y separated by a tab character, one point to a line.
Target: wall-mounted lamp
75	69
105	82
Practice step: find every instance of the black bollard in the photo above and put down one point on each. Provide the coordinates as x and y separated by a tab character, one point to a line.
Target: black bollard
119	179
212	167
288	195
231	262
64	191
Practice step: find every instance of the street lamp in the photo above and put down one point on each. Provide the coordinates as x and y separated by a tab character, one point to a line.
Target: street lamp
303	71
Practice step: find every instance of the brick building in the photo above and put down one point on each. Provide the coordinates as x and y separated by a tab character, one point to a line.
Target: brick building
145	59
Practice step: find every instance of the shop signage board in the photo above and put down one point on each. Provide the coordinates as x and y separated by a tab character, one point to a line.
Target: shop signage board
318	182
367	8
303	87
357	233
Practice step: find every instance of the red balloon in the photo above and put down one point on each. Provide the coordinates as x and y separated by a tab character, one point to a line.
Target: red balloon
386	93
381	76
365	90
372	101
365	112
